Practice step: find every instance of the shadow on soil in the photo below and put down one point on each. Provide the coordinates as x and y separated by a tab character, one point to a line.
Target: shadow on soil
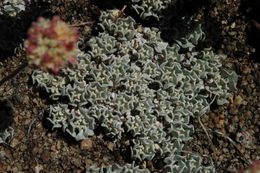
175	22
251	8
5	115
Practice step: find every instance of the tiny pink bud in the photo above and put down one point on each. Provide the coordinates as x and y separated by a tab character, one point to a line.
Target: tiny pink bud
33	38
256	165
50	33
40	19
38	29
34	24
76	35
72	60
57	67
55	20
70	46
31	48
46	58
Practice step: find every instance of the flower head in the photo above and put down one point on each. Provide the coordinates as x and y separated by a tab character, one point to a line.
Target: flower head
51	44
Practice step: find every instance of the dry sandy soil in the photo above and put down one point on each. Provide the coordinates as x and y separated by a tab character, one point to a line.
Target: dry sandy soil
228	136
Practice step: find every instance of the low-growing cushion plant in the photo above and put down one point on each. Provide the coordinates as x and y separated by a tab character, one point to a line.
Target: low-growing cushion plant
133	84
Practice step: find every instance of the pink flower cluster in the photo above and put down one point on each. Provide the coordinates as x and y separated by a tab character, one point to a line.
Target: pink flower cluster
51	44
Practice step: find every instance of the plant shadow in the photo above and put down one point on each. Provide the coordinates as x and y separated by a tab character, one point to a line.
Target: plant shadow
251	8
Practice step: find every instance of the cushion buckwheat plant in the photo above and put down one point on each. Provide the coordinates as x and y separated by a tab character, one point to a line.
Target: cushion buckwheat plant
135	86
51	44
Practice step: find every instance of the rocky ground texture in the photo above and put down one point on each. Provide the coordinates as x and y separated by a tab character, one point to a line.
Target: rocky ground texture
227	136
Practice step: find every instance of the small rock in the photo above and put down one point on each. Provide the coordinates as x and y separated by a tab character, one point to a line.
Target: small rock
225	150
88	162
46	156
53	148
14	142
238	100
27	122
235	119
15	169
144	164
233	25
246	70
248	113
76	162
105	158
86	144
245	139
26	99
111	146
35	150
58	145
149	165
35	110
2	154
127	142
232	33
224	22
23	147
221	123
244	83
38	168
233	111
231	128
97	154
20	98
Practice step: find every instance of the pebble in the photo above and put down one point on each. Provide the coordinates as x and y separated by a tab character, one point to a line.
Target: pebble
14	142
231	128
27	122
245	139
111	146
86	144
23	147
58	145
225	150
246	70
248	113
105	158
2	154
233	111
232	33
76	162
15	169
35	150
233	25
46	156
149	164
38	168
88	162
97	154
20	98
144	164
53	148
238	100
